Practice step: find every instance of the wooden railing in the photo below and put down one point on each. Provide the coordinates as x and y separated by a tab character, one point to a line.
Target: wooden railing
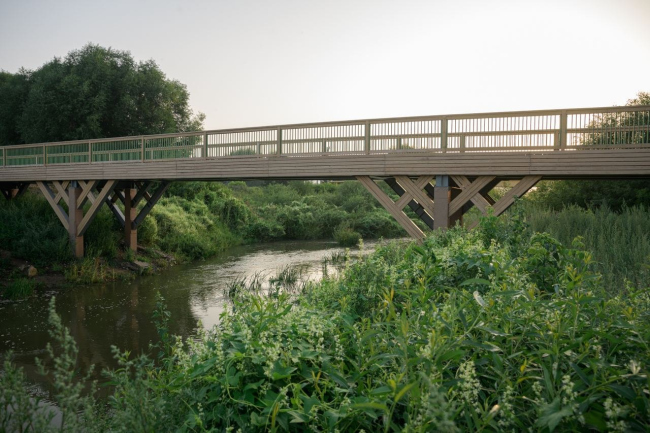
544	130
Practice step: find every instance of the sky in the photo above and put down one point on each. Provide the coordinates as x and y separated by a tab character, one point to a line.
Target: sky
253	63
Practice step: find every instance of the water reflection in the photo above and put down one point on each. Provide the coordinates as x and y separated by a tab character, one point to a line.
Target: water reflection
120	313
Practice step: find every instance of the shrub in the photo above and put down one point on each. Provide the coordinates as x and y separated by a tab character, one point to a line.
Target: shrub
346	237
148	231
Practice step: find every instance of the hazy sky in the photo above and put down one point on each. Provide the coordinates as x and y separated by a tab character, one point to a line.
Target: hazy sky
252	63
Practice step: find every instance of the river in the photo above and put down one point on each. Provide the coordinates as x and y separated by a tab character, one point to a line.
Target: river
119	313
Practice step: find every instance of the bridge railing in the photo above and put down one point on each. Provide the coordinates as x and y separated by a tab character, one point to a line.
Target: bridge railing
544	130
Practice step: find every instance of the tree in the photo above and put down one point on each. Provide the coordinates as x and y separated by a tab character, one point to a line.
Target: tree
94	92
13	93
612	193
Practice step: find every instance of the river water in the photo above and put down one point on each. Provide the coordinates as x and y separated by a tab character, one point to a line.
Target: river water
119	313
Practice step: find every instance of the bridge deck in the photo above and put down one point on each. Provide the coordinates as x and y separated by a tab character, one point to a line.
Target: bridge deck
612	141
551	165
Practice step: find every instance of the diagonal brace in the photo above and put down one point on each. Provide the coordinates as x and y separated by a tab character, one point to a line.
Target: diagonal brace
392	208
151	202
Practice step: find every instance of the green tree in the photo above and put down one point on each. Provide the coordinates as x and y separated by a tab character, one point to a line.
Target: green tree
13	93
93	92
612	193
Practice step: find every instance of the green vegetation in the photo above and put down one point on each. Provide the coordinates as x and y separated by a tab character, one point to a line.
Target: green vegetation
620	241
197	220
18	289
93	92
489	330
615	194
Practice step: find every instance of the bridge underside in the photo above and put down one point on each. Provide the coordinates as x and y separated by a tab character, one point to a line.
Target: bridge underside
438	188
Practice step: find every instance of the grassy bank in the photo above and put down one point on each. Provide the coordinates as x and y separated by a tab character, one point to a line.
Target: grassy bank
493	330
195	220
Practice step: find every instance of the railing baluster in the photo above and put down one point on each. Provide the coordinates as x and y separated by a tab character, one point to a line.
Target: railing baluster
443	134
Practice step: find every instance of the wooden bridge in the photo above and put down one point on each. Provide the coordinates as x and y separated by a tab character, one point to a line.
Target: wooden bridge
439	166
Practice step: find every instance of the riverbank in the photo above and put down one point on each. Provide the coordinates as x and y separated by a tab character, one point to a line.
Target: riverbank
195	221
119	313
489	330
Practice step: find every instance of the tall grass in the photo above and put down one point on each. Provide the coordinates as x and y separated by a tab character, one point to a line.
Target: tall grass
619	241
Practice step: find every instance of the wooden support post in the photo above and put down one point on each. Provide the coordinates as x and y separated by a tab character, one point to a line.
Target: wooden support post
75	215
443	134
441	200
455	217
130	212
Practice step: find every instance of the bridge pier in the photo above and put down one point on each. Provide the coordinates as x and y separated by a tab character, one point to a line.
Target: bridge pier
442	206
130	213
67	199
75	215
131	194
74	194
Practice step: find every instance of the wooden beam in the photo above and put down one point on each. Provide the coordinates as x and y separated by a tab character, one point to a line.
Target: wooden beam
479	200
142	192
441	198
49	196
518	190
62	193
416	191
469	192
422	182
130	230
151	202
522	187
116	210
86	189
388	204
95	207
64	188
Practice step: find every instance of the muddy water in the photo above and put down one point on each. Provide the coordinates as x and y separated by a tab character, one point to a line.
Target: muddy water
119	314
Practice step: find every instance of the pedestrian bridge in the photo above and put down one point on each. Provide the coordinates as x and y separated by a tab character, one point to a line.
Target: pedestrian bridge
438	166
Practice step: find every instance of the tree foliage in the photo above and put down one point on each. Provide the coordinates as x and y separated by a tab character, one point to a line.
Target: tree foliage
93	92
612	193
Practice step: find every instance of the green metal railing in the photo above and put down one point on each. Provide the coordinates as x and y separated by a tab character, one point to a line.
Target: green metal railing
524	131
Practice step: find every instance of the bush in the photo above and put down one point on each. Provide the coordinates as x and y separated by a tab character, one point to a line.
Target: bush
346	237
148	231
31	231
